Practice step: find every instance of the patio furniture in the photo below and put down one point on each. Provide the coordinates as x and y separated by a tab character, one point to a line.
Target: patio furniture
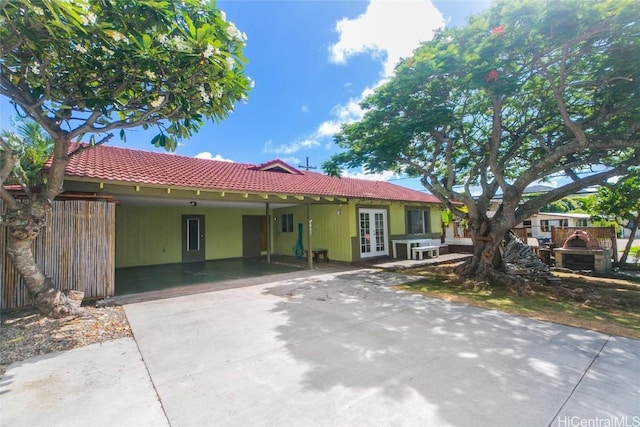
410	244
419	251
317	253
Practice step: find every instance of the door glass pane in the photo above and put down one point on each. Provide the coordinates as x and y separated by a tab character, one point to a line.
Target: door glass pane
365	233
193	234
380	239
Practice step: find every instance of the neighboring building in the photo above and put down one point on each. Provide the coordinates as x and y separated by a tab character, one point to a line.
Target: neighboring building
539	225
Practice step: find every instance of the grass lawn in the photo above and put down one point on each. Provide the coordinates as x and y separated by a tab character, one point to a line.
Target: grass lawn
606	305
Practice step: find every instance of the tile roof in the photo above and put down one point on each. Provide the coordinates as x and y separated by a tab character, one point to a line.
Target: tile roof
122	165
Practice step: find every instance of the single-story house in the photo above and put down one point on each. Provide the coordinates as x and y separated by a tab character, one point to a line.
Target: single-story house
176	209
539	225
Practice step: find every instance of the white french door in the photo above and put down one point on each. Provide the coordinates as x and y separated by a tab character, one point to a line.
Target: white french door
373	232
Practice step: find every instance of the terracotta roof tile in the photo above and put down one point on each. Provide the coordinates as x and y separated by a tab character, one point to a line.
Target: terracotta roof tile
107	163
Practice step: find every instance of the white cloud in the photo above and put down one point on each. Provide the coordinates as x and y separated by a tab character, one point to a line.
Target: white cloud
293	161
364	174
387	30
294	147
207	155
328	128
349	113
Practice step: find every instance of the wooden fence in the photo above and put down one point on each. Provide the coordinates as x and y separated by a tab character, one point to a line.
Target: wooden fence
606	237
76	249
521	232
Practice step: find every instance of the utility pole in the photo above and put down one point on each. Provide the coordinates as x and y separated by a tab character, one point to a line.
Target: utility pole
307	167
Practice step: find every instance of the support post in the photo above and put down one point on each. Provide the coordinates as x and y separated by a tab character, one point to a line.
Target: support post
268	233
309	233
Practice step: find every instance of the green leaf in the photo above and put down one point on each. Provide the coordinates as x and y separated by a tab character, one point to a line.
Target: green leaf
101	57
203	32
146	41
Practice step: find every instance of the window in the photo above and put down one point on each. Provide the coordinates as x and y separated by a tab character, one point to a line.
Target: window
418	221
287	223
546	224
193	234
582	222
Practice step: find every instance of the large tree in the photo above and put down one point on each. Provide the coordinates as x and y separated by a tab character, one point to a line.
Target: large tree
622	202
527	90
84	68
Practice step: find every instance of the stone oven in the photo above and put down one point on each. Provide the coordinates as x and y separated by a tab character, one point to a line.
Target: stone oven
581	239
581	251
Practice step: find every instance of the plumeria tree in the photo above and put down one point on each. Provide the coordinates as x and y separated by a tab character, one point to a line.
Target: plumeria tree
525	91
84	69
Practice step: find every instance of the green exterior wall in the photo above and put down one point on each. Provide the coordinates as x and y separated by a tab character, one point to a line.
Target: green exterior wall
339	232
153	235
330	230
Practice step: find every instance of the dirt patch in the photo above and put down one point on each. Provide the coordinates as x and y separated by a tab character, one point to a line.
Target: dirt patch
606	304
26	333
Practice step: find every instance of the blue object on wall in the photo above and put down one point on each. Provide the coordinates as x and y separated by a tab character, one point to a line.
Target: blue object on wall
298	249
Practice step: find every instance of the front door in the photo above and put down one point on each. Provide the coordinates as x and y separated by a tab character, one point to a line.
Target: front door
192	238
254	235
373	232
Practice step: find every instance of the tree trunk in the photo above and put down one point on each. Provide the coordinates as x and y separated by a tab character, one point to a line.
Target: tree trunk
486	235
487	263
627	248
24	224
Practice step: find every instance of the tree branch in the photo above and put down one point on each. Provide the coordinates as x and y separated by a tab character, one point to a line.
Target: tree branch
531	206
80	148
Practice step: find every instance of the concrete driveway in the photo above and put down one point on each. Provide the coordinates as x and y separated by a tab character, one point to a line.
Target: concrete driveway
344	349
337	349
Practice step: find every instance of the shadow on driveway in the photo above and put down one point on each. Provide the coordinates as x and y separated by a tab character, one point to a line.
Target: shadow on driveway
346	349
450	364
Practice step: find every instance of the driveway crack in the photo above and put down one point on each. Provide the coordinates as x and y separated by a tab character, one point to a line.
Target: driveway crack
575	387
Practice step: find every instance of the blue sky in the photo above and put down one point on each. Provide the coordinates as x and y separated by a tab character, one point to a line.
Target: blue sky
312	62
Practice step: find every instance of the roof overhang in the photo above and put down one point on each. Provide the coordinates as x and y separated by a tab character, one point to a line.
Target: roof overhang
129	200
139	194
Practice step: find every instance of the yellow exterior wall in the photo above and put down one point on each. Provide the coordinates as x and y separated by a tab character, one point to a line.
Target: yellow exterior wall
153	235
397	219
330	230
284	242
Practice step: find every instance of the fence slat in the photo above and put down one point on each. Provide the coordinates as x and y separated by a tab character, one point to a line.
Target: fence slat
76	249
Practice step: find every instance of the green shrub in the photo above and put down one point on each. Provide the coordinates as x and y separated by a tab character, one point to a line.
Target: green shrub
634	252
